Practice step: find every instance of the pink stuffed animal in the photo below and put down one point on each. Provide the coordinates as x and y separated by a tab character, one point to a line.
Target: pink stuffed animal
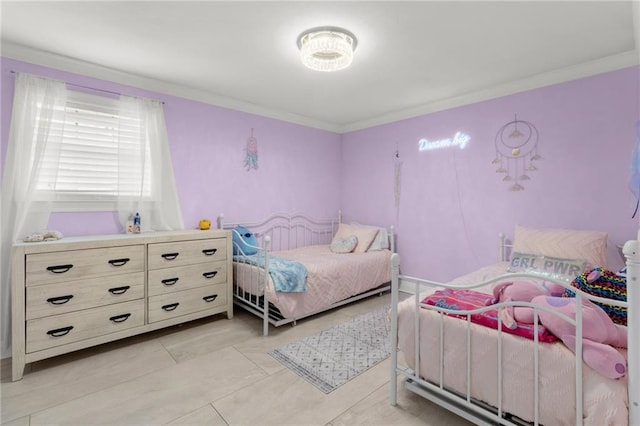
599	332
522	291
525	290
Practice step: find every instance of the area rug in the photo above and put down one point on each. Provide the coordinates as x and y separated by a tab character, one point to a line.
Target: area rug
332	357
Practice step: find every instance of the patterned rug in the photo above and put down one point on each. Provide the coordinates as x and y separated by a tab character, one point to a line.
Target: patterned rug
334	356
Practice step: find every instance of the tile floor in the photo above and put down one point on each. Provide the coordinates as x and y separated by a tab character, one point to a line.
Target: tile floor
212	371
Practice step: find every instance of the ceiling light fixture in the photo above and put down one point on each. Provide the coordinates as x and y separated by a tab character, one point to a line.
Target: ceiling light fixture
327	48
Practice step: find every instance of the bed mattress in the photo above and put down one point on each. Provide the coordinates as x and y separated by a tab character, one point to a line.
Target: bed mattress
605	400
331	278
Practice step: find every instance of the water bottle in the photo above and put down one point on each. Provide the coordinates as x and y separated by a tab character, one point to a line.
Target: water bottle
136	223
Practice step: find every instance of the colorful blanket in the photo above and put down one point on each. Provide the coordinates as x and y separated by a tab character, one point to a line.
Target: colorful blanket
288	276
607	284
462	300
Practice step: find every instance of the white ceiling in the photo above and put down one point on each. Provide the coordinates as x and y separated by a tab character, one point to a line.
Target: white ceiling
412	57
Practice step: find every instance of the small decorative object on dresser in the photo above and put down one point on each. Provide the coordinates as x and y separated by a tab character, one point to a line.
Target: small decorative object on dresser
83	291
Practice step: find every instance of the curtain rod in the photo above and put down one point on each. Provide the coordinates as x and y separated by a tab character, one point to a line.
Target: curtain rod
95	88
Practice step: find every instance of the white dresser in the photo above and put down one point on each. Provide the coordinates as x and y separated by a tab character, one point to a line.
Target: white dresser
83	291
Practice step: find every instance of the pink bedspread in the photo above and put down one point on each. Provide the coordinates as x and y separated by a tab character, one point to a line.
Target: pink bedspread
605	400
331	278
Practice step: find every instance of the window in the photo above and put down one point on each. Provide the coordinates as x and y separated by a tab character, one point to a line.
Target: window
104	154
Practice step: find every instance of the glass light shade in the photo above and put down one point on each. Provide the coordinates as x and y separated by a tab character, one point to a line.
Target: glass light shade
327	48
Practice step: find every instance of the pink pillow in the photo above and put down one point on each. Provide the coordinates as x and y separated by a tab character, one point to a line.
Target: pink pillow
365	236
562	243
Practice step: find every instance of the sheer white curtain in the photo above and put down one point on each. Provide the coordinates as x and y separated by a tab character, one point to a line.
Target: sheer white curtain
38	110
145	182
145	159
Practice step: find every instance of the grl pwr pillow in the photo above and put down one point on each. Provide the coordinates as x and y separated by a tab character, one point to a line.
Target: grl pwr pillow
546	266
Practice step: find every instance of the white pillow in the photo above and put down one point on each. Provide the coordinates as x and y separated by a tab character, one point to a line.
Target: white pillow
344	245
547	266
365	235
381	241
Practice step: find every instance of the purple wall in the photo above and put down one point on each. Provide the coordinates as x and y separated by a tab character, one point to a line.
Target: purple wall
299	167
454	204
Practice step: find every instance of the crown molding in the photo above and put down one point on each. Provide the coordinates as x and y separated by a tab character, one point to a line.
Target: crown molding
563	75
76	66
63	63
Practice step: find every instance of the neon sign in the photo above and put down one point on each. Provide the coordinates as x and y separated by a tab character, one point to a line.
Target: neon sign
460	139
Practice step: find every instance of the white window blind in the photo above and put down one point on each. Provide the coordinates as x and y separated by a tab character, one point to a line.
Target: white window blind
104	154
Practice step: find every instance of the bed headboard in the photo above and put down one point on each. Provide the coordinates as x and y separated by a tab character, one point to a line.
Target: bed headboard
504	248
289	231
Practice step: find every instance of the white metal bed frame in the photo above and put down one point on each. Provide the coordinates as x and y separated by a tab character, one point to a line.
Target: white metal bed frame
477	412
285	232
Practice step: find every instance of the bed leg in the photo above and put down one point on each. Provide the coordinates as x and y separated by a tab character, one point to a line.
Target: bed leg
632	254
393	378
265	323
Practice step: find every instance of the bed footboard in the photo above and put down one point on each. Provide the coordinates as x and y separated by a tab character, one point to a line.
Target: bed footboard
275	233
472	370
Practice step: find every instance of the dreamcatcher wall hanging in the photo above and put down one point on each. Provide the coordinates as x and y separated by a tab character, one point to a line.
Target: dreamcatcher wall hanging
516	151
251	153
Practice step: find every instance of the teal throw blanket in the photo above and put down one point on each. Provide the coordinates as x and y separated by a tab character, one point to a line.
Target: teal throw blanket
288	276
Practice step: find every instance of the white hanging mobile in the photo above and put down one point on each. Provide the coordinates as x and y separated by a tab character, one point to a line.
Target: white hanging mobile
516	150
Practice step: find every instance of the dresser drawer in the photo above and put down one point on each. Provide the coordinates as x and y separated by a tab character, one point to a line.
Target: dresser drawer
65	266
164	255
171	305
44	333
60	298
167	280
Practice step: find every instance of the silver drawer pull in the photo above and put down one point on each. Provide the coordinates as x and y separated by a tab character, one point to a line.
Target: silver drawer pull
60	300
210	298
119	290
120	318
59	269
169	256
209	252
170	307
209	275
170	281
119	262
59	332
